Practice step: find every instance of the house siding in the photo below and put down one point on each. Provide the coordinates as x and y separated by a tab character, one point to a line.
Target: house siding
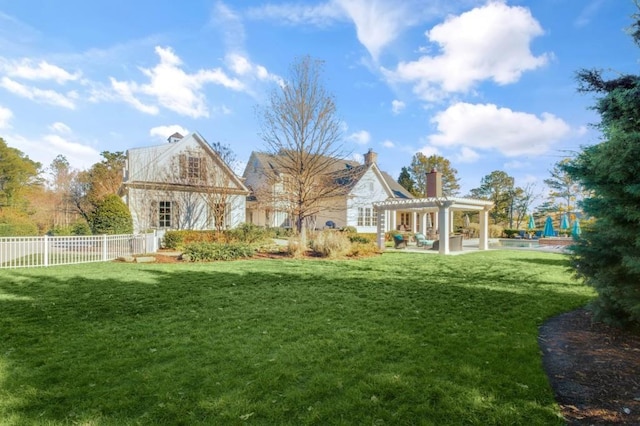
367	191
164	173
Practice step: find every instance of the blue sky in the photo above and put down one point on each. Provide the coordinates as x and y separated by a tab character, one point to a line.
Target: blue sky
490	85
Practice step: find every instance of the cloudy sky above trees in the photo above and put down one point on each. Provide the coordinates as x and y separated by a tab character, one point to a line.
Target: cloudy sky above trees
490	85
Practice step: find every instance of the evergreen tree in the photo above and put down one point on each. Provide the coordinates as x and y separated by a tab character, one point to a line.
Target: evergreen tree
111	217
607	256
406	181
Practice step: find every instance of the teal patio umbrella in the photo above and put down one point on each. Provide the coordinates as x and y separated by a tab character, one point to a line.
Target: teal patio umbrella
532	222
564	222
575	230
548	228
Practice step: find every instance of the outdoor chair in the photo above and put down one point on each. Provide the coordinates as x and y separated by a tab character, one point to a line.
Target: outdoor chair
399	241
421	240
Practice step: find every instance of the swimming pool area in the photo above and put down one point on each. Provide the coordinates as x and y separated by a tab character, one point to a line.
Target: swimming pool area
509	242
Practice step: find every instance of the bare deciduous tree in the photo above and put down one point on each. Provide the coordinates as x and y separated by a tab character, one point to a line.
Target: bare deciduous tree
301	129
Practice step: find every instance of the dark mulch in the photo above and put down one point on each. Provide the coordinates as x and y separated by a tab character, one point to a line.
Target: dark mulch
594	369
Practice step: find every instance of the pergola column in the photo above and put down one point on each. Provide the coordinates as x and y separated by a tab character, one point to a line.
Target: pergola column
484	230
444	224
414	222
381	227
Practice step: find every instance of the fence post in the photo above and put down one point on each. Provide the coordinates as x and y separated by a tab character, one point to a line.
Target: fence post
104	248
46	250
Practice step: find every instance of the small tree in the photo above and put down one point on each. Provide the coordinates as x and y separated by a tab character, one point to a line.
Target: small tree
563	187
111	216
302	131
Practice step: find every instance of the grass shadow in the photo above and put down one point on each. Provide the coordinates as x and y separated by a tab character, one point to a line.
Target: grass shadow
391	339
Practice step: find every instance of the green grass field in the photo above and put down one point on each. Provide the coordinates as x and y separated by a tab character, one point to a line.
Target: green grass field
398	339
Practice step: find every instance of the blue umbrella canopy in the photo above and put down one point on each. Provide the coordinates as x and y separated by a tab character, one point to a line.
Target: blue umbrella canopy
576	231
532	222
564	222
548	228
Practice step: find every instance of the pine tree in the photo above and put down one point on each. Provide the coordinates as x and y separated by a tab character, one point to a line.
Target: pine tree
607	256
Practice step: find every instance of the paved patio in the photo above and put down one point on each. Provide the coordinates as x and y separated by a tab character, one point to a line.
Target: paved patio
471	245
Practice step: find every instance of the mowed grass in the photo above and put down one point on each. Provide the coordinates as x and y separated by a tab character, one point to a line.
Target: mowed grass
399	339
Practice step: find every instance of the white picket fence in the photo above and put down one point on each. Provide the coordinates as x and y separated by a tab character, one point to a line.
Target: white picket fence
29	252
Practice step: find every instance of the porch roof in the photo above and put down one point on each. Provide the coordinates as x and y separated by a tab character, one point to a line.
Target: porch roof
434	204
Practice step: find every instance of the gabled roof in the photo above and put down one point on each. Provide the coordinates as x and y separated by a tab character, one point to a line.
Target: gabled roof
346	173
159	153
269	163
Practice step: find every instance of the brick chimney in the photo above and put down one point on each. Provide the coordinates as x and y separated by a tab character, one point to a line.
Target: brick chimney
370	157
434	183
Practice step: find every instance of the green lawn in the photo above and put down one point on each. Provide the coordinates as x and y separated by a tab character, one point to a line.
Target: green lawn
398	339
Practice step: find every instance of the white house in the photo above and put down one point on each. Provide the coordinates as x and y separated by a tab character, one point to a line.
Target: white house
360	185
182	184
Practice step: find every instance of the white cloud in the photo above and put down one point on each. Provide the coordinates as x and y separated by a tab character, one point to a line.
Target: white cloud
397	106
361	137
172	88
297	14
467	155
163	132
242	66
516	164
5	117
487	127
388	143
377	22
486	43
44	149
26	69
60	127
588	13
429	150
39	95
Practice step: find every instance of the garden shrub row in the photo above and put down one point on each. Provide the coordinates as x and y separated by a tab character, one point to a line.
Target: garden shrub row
205	252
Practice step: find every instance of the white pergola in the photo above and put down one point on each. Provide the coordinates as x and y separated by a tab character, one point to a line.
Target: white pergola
443	206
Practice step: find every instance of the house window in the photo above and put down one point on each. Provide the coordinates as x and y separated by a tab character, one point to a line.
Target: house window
405	220
194	167
366	217
164	214
190	167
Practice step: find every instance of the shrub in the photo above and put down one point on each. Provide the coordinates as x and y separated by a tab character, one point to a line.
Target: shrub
81	227
295	247
16	224
179	239
203	252
495	231
111	217
363	249
350	230
331	244
356	238
511	233
248	233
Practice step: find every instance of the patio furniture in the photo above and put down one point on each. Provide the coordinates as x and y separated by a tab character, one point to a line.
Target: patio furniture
421	240
455	243
399	241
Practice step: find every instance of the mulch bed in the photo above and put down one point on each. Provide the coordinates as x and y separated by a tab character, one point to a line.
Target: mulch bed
594	369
